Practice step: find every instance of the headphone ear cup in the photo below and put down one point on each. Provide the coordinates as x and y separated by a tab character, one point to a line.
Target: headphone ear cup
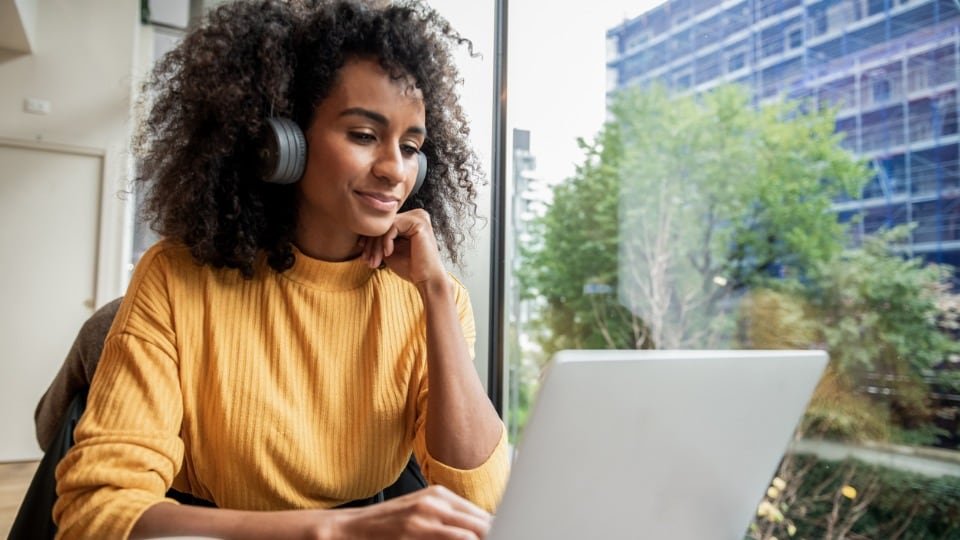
283	151
421	173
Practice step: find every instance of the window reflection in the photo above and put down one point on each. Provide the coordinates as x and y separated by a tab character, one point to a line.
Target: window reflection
769	174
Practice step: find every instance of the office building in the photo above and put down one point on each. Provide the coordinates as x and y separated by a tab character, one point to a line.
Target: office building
889	67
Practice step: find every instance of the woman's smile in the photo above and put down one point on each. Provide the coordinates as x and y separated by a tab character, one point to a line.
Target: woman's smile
383	202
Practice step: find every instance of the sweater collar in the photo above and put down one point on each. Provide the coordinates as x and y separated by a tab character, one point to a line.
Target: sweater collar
328	276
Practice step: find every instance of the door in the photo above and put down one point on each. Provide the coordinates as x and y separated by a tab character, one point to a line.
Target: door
49	222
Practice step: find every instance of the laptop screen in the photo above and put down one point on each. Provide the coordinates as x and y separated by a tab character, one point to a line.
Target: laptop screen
654	444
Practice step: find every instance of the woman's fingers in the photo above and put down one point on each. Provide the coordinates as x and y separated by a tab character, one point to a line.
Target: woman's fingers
408	246
372	251
388	239
433	512
452	511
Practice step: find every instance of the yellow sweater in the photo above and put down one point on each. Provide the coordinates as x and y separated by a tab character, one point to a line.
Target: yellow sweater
294	390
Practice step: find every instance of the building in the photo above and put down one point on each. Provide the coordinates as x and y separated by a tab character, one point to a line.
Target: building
890	67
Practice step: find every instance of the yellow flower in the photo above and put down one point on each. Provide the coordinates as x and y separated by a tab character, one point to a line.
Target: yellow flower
791	529
767	510
773	492
849	492
779	483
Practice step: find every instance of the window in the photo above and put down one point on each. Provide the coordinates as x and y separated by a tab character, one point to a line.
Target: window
795	38
771	41
819	21
736	61
881	90
637	39
670	172
876	6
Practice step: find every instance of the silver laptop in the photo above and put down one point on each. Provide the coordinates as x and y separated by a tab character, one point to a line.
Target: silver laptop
654	444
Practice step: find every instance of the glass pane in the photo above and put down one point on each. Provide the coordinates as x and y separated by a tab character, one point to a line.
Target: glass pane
764	174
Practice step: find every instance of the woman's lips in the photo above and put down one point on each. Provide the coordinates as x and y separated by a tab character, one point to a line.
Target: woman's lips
379	201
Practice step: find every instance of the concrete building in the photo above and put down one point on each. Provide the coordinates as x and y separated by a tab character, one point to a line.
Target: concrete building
890	67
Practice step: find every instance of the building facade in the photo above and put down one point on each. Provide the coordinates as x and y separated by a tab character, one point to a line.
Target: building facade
890	68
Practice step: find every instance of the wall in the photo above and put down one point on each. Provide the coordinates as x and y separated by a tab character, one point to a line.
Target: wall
61	172
82	65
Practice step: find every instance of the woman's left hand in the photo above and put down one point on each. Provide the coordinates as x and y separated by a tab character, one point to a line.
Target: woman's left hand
409	248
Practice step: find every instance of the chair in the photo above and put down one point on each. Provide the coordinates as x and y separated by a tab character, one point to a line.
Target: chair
34	520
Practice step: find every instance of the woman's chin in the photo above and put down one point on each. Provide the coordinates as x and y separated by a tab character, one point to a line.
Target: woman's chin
373	229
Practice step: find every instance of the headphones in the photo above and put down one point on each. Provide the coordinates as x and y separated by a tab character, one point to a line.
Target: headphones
283	154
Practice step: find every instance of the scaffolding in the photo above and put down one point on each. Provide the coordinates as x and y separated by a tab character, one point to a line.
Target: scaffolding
889	68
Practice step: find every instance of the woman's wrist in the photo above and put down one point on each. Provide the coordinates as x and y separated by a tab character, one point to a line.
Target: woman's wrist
439	286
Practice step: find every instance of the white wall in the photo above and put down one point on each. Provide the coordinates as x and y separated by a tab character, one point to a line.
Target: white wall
82	65
72	223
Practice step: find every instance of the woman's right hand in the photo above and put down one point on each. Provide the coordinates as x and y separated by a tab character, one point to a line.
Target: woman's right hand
433	512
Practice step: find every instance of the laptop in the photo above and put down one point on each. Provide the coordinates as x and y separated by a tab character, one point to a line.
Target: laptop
654	444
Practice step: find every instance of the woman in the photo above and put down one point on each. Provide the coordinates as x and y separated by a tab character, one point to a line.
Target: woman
285	347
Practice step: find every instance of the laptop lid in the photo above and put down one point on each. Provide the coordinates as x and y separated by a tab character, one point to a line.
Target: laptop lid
654	444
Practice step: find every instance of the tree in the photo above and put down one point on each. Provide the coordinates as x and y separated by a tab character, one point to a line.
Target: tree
681	203
881	316
576	247
885	319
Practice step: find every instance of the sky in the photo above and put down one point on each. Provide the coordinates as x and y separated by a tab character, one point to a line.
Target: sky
556	71
557	74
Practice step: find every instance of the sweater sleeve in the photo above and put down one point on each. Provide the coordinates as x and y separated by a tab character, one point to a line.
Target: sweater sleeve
483	485
127	446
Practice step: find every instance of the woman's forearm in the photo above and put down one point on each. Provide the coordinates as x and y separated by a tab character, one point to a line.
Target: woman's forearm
433	512
462	426
169	520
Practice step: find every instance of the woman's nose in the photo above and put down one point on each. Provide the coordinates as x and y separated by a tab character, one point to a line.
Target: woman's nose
390	166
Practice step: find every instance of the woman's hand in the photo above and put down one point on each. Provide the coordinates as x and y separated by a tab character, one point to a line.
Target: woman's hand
409	248
434	512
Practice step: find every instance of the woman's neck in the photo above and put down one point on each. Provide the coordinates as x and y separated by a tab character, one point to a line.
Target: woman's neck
332	248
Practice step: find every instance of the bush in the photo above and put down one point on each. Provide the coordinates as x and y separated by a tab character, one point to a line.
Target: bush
830	500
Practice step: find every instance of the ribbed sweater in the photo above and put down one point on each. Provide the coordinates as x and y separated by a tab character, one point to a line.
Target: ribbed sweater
301	389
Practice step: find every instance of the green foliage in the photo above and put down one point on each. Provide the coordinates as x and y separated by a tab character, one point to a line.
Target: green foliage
681	203
879	315
852	499
884	319
684	204
837	411
578	242
772	319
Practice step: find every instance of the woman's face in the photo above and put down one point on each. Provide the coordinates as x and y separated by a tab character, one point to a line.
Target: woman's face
361	160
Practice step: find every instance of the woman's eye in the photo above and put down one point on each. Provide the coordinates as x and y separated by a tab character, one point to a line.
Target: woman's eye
409	149
362	136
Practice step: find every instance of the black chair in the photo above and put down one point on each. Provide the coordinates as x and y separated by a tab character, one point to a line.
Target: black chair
34	520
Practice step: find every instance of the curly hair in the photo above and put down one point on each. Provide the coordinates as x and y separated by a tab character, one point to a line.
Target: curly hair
209	99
